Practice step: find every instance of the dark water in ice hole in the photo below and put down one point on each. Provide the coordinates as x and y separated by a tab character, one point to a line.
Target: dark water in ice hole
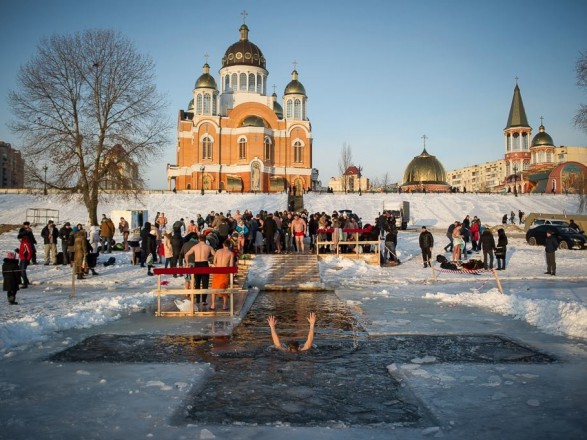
342	380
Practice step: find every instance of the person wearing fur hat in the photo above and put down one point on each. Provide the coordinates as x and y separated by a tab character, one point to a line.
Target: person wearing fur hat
11	275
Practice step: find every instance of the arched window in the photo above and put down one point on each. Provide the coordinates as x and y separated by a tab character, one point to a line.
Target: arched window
289	109
227	83
206	103
215	105
259	83
242	148
267	149
199	105
509	142
298	152
234	82
297	109
243	82
251	82
207	148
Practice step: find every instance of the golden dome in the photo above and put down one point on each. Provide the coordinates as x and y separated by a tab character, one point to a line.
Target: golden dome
424	169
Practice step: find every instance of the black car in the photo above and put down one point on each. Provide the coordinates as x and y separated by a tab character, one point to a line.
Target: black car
567	237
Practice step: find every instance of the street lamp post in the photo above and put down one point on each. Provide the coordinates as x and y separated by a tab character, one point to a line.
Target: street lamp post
202	168
45	168
360	190
516	180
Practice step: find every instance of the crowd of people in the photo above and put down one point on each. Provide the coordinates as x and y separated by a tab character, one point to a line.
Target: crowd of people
469	235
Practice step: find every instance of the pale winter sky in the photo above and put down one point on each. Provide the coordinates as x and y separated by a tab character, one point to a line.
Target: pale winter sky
378	74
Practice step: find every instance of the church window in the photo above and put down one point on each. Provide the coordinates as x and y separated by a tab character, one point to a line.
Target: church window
298	152
243	82
242	149
227	83
297	109
251	82
206	148
289	109
234	82
549	157
199	105
509	142
215	105
259	84
206	103
267	149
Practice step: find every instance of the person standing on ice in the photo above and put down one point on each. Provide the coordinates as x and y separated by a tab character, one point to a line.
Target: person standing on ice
501	249
550	247
426	241
11	276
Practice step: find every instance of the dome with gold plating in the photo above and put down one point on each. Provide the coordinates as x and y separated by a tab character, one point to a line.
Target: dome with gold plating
206	81
277	108
243	52
294	87
542	138
424	169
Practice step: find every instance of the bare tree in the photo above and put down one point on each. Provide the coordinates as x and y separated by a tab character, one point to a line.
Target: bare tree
345	161
581	116
581	122
77	98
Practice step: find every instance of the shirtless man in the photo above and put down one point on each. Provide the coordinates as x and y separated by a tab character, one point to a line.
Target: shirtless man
223	258
293	346
201	253
298	228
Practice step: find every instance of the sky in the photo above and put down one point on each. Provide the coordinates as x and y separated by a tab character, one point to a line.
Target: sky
378	74
56	399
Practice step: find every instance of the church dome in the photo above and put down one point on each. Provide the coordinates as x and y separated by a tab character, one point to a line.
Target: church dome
243	52
206	81
294	87
253	121
191	105
424	169
542	138
277	108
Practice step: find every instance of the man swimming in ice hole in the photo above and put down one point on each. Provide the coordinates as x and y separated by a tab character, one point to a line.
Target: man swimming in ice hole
292	346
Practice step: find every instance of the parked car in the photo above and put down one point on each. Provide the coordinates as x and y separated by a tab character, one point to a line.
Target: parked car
546	221
567	237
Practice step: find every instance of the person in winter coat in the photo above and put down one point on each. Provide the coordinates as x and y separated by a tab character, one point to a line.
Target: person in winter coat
124	229
176	244
149	246
25	255
550	247
501	249
64	234
106	233
426	241
80	250
167	249
449	231
474	233
488	247
32	241
269	229
50	235
11	275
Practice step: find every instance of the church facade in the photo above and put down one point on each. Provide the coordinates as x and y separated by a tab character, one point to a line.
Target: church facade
236	137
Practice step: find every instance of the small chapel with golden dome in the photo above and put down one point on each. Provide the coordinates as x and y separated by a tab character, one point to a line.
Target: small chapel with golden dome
239	138
425	173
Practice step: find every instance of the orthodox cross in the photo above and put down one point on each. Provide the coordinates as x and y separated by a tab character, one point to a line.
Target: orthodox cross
274	88
541	120
206	57
295	64
244	14
424	137
517	80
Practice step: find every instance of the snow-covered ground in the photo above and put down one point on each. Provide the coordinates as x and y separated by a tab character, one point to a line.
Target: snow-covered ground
547	311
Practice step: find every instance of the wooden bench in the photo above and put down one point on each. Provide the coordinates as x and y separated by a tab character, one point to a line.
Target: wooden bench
192	292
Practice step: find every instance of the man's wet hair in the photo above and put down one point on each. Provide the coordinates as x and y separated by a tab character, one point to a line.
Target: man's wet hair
293	346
